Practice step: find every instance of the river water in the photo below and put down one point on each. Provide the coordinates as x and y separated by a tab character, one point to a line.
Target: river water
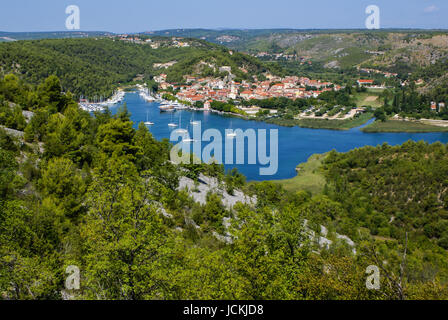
295	144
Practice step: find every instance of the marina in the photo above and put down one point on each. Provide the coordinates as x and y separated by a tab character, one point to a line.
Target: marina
86	105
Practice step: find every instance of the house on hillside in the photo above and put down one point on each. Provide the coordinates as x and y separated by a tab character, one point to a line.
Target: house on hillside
365	82
247	94
160	78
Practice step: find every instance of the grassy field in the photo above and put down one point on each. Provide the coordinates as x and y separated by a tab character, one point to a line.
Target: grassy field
353	56
309	177
368	99
335	124
323	123
402	126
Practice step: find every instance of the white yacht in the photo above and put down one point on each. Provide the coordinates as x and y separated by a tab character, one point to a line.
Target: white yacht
166	108
180	107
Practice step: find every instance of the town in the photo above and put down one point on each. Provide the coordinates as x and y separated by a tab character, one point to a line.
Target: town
198	91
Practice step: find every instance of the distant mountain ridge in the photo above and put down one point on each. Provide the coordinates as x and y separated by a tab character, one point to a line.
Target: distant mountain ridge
401	51
11	36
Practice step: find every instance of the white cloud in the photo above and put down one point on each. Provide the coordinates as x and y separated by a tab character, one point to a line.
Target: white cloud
431	8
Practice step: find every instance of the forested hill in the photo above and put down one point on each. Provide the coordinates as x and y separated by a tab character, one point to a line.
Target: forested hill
96	66
394	189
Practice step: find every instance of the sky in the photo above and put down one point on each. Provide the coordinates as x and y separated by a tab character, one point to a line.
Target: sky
148	15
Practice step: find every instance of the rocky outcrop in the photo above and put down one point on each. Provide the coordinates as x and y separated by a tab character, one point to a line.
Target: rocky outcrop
15	133
198	191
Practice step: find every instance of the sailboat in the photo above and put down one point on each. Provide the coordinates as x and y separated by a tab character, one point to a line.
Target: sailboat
195	123
192	122
172	124
180	130
147	122
231	134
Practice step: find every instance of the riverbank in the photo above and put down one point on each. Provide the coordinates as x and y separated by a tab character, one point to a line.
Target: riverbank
329	124
309	176
295	144
396	126
350	121
392	126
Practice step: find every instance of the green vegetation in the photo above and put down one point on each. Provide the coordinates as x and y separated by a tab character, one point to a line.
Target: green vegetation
52	35
408	102
96	67
309	177
340	51
330	124
330	103
226	107
394	190
368	99
206	64
402	126
335	124
92	191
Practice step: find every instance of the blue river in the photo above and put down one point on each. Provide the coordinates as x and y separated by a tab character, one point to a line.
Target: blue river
295	144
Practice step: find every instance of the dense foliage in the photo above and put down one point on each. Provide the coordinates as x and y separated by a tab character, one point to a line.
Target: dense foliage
408	102
95	192
392	191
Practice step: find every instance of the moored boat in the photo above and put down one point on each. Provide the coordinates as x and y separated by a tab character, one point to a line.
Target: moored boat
166	108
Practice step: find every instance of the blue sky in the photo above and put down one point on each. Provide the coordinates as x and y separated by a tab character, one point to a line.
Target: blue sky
146	15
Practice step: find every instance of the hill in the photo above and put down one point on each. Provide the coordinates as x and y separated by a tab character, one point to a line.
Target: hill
340	55
230	37
96	66
389	49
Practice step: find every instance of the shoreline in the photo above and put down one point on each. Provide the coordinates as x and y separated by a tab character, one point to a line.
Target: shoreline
116	98
308	176
325	123
286	170
403	126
